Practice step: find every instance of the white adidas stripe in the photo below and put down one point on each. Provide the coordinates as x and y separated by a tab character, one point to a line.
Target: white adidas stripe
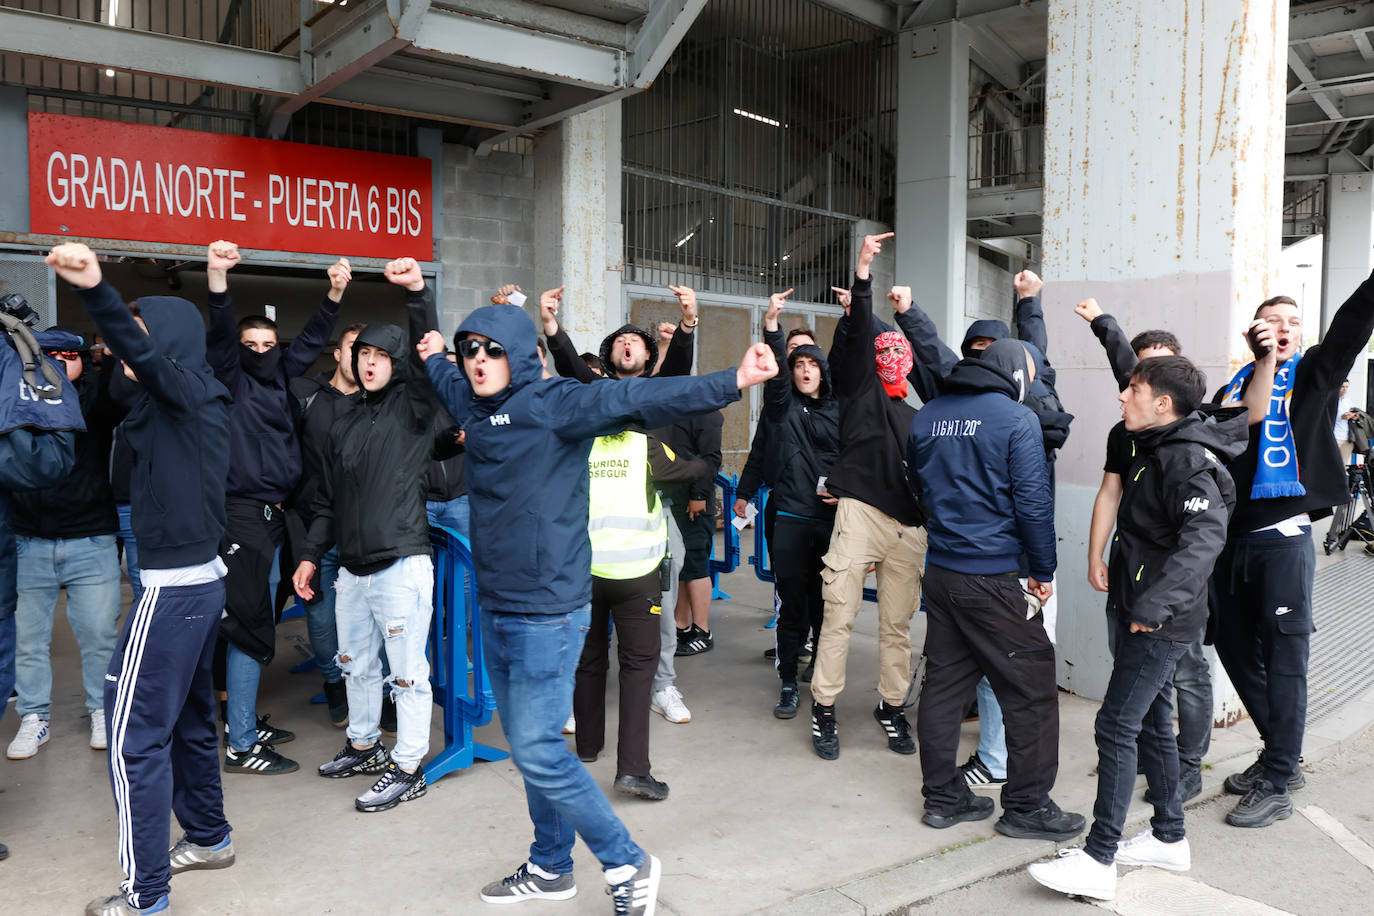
124	695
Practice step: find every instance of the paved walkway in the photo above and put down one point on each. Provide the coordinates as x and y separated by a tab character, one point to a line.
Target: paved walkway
755	822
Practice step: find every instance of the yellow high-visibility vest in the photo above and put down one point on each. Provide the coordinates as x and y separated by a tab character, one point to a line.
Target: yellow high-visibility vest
629	536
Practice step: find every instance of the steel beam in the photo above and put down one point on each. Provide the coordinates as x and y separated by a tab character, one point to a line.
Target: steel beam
1336	71
1000	204
427	97
996	57
876	13
1348	19
658	37
970	11
1310	168
510	49
78	41
543	17
1352	108
1299	66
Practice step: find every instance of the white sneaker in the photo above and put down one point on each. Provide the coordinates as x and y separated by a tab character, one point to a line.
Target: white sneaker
1075	872
668	704
33	734
98	741
570	726
1147	849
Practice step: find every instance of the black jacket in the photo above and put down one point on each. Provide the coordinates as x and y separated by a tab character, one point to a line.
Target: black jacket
871	466
448	477
178	428
371	500
82	505
1119	353
695	437
1171	523
805	433
568	363
1312	412
265	458
318	406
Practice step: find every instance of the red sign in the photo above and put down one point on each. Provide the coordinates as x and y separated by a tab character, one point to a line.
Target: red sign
91	178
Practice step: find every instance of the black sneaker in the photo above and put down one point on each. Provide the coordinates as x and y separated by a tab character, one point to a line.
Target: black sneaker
336	696
641	787
260	759
971	808
807	673
1241	783
351	761
1049	822
523	885
1189	784
808	653
825	732
898	730
769	654
639	895
395	786
976	773
387	722
788	701
1261	806
697	642
266	733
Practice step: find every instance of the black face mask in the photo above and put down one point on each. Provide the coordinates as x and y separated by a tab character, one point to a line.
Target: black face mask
261	367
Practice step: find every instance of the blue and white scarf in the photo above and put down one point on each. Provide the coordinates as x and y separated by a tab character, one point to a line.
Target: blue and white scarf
1276	468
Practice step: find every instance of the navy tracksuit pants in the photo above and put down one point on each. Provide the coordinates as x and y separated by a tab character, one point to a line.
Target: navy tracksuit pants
164	746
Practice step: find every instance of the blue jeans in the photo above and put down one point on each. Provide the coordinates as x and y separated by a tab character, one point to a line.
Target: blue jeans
1193	683
89	568
242	673
126	537
320	623
1137	710
531	661
452	514
992	734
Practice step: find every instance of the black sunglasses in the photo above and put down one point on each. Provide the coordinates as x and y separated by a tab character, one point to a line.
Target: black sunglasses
468	347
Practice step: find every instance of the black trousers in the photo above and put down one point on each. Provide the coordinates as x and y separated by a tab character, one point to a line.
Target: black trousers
1263	633
976	626
798	544
254	532
634	606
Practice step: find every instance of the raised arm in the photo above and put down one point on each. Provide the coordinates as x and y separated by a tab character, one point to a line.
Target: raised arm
422	319
856	358
678	359
931	359
222	340
309	343
1120	356
449	382
1263	343
1330	361
567	362
1030	319
77	264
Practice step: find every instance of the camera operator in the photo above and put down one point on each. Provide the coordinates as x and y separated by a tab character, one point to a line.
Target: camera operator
38	428
66	539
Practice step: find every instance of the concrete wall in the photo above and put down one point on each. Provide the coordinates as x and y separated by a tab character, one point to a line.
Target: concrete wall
489	230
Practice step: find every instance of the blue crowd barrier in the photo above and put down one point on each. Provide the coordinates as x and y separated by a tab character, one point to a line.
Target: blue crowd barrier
464	693
728	484
760	558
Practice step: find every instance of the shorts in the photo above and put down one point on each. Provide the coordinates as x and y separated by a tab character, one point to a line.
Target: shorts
696	539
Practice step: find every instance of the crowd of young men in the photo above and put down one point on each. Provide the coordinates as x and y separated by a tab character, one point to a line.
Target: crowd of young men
587	496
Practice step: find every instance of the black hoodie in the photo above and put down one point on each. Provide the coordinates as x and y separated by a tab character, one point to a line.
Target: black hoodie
371	499
1176	500
804	435
177	429
568	363
319	405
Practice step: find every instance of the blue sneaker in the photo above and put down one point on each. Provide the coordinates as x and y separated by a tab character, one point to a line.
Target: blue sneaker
119	905
187	856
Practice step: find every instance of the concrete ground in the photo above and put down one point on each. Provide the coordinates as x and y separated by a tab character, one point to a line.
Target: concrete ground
755	822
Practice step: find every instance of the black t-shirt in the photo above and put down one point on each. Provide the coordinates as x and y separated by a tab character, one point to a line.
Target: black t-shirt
1120	450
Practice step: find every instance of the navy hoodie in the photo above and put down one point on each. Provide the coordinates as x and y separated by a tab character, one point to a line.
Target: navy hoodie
527	450
978	456
177	428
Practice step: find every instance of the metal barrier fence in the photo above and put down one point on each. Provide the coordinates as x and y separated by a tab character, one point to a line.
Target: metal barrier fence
455	637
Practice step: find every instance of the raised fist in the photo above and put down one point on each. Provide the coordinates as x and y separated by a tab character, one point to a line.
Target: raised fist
1027	283
757	367
340	273
75	263
1088	309
900	297
432	344
222	256
405	272
666	330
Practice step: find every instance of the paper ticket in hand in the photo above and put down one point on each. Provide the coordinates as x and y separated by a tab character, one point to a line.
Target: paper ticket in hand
750	511
516	298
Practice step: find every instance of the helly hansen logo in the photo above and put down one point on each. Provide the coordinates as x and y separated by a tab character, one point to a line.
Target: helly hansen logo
500	419
958	428
1196	504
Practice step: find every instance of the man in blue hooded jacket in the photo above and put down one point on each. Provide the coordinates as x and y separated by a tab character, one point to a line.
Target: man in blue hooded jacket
528	441
977	454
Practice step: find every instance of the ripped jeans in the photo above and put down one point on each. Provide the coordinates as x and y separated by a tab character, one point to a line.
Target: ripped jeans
391	608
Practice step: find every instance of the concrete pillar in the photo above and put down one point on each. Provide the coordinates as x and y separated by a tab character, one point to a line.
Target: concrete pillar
1163	196
579	236
932	170
1349	253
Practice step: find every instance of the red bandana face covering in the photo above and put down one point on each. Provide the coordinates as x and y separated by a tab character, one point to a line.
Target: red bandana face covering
893	367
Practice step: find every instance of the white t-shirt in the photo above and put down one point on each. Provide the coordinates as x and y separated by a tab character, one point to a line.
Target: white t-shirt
1342	427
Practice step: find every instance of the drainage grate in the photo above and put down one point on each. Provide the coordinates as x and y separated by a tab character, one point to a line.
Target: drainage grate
1342	660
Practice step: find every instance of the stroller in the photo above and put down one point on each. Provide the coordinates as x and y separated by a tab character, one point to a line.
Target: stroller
1354	518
